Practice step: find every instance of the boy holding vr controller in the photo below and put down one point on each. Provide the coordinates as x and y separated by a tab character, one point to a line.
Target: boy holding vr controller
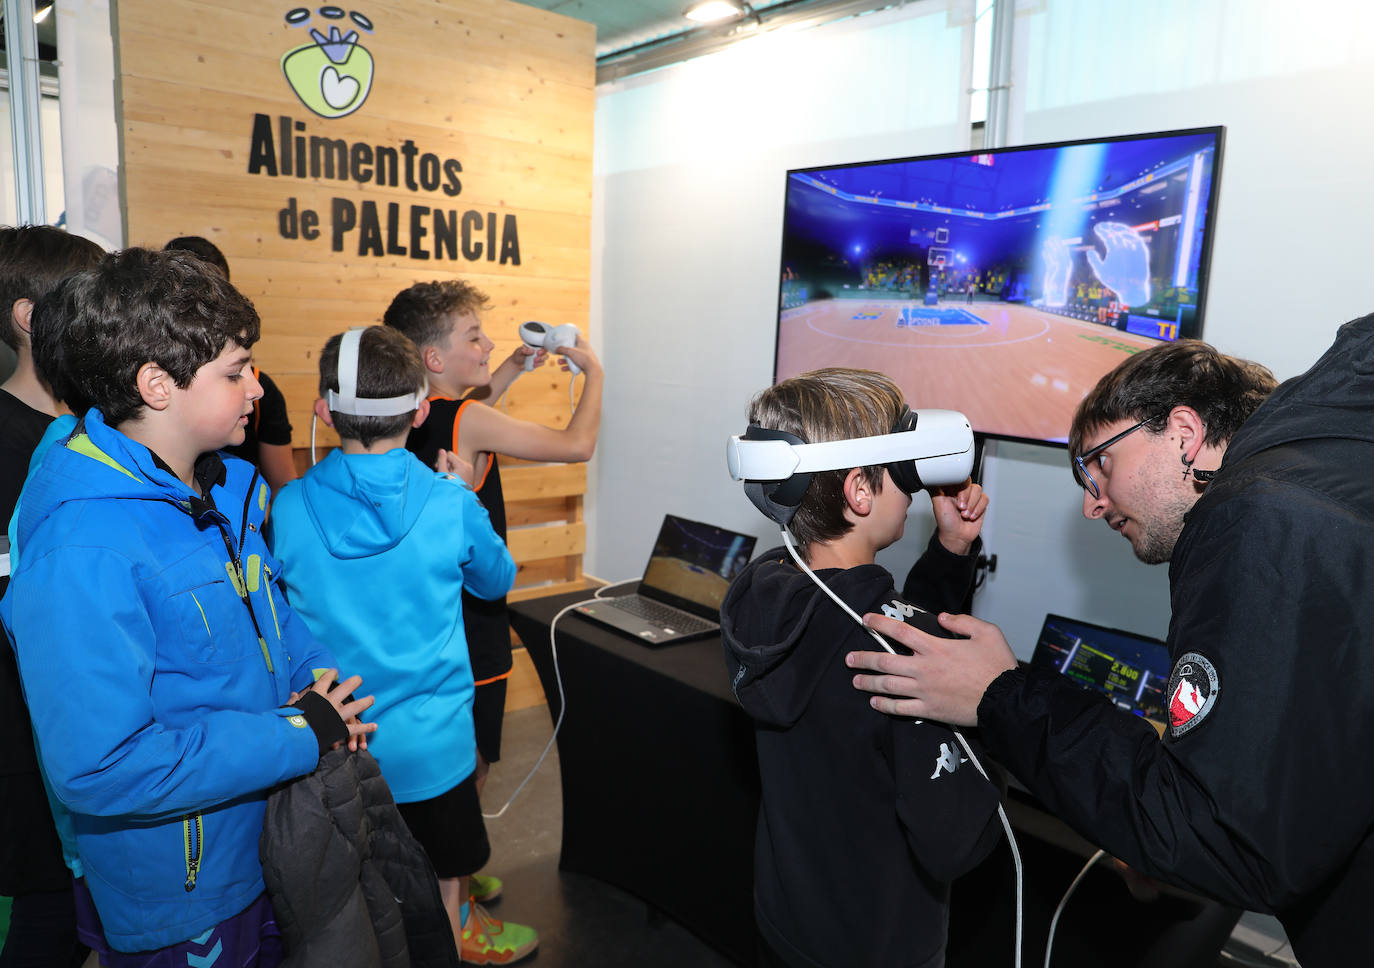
443	320
843	786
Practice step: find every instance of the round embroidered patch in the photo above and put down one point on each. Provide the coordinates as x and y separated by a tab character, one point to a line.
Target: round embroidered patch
1193	689
297	721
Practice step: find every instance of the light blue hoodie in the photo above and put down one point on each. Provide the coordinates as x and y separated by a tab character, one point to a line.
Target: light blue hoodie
376	549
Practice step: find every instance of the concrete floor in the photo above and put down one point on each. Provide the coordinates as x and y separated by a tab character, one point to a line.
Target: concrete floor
581	921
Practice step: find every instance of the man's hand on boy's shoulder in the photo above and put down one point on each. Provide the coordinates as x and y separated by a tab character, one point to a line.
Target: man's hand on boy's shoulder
959	511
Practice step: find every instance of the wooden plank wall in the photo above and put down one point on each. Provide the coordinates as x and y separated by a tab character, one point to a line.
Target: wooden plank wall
500	93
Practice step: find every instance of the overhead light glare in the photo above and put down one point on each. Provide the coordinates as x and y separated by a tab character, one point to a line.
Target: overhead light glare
714	11
41	14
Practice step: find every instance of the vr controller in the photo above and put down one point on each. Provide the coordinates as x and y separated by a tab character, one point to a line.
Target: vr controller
926	448
539	336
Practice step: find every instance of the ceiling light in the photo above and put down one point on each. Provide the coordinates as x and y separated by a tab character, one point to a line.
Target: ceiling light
714	11
41	14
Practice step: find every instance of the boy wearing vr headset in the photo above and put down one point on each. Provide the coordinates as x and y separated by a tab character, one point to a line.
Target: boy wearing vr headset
378	548
888	808
169	687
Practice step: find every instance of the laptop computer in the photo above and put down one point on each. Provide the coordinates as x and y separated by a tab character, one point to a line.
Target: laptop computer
679	597
1131	670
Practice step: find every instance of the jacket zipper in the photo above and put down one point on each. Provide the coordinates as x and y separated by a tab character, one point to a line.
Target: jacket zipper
267	583
236	566
193	835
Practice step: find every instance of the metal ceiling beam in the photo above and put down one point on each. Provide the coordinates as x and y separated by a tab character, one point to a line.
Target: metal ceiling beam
701	41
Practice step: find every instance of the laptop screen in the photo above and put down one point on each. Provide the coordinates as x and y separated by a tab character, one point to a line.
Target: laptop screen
1131	670
693	564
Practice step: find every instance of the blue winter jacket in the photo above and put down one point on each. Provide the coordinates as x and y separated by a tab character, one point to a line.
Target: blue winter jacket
377	549
157	696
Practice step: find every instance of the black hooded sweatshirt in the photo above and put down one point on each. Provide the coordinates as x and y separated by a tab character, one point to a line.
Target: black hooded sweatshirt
865	818
1257	795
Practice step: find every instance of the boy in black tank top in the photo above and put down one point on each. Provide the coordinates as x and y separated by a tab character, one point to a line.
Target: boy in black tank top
442	318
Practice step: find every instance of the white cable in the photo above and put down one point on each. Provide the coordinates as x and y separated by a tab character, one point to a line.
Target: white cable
614	584
1054	921
313	421
1001	813
562	708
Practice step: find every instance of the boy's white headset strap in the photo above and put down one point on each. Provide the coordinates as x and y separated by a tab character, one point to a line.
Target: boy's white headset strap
346	399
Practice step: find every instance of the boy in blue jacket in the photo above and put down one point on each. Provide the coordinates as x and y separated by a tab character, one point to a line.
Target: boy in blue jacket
170	686
378	549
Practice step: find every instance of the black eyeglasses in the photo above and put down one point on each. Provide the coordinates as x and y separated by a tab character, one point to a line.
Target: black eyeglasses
1080	462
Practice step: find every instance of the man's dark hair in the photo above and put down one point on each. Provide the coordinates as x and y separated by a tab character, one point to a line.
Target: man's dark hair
33	260
822	405
201	248
389	365
93	333
422	312
1224	391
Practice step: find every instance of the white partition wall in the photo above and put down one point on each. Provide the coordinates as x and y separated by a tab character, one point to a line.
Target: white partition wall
687	232
687	235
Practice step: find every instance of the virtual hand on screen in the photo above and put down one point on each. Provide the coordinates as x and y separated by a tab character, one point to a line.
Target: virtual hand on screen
1058	266
1126	268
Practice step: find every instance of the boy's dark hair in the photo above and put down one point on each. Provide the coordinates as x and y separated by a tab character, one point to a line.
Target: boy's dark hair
134	307
389	365
33	260
1224	390
422	312
201	248
829	404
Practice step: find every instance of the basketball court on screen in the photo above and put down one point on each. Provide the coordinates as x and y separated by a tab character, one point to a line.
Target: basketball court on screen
987	359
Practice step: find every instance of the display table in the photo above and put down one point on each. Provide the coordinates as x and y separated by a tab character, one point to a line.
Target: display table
661	792
659	774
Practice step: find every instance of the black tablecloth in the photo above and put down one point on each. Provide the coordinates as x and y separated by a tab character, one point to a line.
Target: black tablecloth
659	774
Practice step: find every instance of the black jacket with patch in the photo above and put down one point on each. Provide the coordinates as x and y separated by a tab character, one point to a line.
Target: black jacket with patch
1256	795
865	818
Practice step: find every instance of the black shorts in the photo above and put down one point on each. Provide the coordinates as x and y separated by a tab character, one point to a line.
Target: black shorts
451	830
488	715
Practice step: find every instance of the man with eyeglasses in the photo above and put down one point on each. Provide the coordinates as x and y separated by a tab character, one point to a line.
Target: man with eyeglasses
1264	510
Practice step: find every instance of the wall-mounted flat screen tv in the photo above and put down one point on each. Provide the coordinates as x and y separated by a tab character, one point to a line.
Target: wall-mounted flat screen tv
1002	283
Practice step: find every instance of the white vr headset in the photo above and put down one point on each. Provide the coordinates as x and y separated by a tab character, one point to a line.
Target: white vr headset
925	448
346	400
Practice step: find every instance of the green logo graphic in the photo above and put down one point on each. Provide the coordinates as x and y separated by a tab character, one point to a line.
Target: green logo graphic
332	75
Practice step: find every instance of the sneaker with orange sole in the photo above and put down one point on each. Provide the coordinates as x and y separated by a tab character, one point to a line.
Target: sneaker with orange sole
490	941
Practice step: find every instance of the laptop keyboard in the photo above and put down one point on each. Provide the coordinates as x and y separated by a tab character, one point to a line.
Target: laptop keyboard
660	614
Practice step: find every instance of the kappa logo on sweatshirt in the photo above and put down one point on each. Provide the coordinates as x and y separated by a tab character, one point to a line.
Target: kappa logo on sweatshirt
900	611
949	759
